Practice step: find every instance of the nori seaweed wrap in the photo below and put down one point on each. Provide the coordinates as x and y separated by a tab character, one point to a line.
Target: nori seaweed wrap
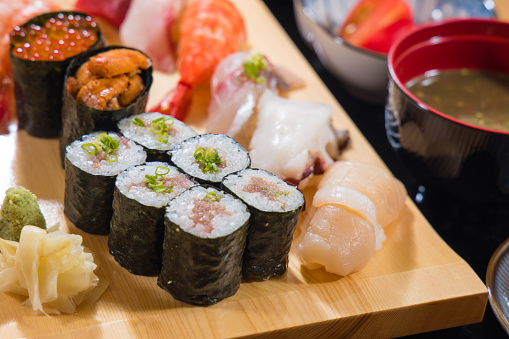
38	83
208	158
79	119
90	178
205	234
275	207
156	132
139	204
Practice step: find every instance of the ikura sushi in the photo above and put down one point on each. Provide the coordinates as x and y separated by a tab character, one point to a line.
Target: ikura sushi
275	207
40	51
91	167
137	226
205	235
157	133
102	87
209	157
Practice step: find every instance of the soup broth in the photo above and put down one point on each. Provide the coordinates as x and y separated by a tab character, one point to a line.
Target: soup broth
476	97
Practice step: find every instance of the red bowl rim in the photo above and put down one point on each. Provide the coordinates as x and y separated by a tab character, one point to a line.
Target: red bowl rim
427	26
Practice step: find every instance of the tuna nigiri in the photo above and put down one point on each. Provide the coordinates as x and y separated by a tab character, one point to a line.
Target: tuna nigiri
353	203
149	28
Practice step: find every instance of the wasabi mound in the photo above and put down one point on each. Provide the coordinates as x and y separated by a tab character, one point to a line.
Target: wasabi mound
20	208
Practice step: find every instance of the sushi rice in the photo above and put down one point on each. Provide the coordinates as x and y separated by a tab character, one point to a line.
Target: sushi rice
144	136
131	183
233	156
128	154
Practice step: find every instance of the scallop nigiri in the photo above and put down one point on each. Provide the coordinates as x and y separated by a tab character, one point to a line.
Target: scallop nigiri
353	201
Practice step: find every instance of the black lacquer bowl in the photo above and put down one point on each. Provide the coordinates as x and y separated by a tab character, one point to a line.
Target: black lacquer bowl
469	161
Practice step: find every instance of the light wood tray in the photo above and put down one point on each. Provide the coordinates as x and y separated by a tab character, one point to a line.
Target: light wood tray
415	283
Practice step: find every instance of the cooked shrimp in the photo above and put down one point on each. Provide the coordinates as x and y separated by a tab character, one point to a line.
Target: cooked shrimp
209	31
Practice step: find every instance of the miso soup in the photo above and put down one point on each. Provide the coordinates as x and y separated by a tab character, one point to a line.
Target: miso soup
476	97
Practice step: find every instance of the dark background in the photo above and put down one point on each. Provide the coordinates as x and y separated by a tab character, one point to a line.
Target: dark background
474	232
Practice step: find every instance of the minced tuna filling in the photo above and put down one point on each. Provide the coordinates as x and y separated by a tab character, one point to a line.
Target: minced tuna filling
267	189
205	210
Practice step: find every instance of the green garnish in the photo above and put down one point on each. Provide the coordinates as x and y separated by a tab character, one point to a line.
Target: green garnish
252	69
280	193
159	127
155	182
213	196
138	122
208	158
103	142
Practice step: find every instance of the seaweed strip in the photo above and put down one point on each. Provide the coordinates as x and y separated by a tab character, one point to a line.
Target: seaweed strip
136	237
38	87
88	199
201	271
79	119
269	240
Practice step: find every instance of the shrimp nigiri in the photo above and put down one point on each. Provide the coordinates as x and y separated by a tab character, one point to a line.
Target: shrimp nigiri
210	30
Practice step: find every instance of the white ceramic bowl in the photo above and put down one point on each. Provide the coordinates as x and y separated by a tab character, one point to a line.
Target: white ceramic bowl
364	73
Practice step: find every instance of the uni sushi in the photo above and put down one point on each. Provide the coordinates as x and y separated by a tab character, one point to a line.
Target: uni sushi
102	87
137	226
209	157
205	235
158	133
275	207
40	51
91	167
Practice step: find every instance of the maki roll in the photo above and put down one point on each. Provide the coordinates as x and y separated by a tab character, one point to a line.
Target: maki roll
275	207
205	235
40	51
158	133
137	226
101	88
91	167
209	157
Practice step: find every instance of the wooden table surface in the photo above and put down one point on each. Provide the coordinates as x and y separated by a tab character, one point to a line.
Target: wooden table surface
414	284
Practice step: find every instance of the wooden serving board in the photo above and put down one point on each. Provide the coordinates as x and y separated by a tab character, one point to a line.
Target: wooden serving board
414	284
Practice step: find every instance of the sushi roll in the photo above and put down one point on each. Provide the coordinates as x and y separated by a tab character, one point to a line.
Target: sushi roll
275	207
40	51
209	157
102	87
91	167
137	226
156	132
205	235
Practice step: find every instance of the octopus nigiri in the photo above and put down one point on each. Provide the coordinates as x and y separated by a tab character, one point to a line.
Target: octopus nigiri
298	134
353	204
149	29
209	31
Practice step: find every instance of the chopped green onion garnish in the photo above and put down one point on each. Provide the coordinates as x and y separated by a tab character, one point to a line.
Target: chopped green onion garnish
208	158
138	122
155	182
253	68
213	196
90	148
163	137
103	142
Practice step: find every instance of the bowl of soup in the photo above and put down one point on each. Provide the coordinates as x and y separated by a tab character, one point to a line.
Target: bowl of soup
351	38
447	107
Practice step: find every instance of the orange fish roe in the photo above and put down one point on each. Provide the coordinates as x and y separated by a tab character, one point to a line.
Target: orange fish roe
59	38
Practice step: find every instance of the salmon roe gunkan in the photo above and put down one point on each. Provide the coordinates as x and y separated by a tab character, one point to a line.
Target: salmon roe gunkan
59	38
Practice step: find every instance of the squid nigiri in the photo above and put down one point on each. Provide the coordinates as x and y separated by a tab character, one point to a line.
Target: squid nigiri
209	31
298	134
149	28
353	203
